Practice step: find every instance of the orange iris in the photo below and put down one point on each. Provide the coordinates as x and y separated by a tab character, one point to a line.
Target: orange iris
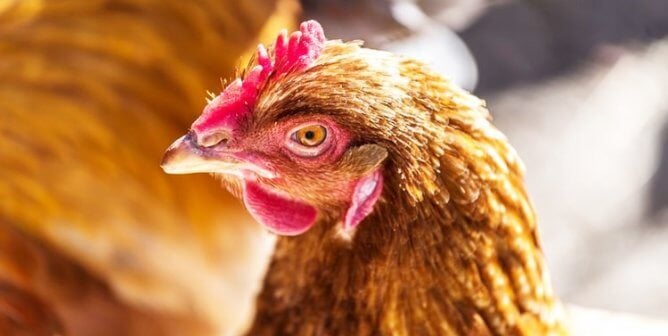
311	136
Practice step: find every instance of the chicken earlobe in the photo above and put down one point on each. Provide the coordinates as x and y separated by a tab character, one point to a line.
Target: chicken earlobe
365	195
278	213
365	163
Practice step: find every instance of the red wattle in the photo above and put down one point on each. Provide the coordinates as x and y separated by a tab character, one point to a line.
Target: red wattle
277	213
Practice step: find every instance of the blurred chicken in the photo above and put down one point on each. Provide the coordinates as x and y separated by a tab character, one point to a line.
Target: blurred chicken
94	238
407	204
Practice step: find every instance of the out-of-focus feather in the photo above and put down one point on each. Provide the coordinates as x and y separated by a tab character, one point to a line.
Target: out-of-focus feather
90	94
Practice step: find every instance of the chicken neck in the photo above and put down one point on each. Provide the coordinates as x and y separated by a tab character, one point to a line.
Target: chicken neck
468	266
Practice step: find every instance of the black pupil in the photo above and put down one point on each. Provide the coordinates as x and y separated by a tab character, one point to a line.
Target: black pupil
309	135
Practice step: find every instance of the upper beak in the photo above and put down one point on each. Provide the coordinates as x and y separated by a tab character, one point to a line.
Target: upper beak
184	156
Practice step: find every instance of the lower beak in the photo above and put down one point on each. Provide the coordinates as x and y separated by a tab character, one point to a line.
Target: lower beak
185	157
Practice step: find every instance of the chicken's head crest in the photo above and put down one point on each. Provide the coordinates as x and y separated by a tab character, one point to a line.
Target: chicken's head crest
293	53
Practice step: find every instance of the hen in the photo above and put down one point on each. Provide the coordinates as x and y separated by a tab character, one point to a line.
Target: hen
400	208
94	238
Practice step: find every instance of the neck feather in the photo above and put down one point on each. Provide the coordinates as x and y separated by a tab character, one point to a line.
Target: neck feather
452	246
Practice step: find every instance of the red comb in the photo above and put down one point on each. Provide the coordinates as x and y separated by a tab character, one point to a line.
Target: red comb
291	54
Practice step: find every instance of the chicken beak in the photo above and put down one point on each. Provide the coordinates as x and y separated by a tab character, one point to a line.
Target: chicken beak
185	157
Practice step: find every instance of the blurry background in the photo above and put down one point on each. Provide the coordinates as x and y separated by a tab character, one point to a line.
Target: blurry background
581	89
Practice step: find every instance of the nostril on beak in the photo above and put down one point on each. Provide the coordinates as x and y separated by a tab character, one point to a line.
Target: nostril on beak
218	138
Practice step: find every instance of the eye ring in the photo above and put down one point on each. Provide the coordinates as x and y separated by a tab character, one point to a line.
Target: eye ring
308	140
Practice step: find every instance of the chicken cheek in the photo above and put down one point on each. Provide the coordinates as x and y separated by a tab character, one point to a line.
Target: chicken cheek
277	213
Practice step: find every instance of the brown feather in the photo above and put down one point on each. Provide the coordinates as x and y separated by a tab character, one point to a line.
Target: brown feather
451	248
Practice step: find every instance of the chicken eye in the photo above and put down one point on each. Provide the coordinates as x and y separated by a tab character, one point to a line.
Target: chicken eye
308	140
311	136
